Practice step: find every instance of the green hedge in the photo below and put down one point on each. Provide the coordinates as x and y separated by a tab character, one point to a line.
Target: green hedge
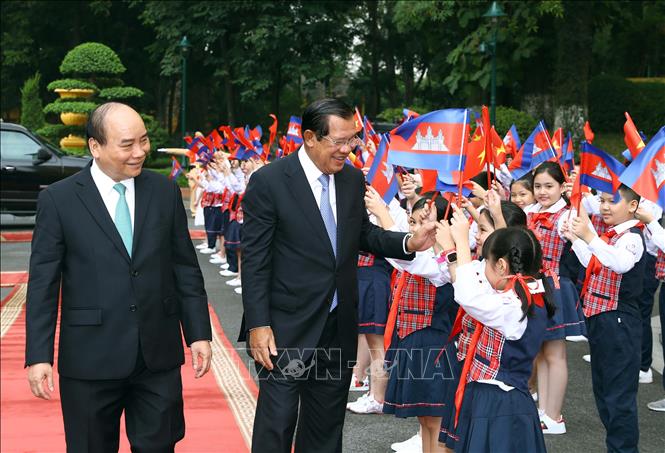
611	96
71	84
92	58
113	93
70	106
54	132
181	179
32	114
506	117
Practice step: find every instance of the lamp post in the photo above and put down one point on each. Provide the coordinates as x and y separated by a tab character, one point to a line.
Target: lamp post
184	52
493	13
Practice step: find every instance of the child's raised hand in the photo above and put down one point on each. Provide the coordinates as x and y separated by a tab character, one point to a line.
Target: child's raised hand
498	188
443	237
493	202
567	231
644	216
373	201
470	208
580	227
477	190
459	227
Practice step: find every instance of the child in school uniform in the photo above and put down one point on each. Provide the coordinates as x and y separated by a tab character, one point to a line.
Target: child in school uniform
610	296
419	316
547	218
506	303
521	192
657	233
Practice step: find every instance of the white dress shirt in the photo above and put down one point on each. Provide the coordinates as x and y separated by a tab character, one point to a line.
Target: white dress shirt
620	257
312	173
109	195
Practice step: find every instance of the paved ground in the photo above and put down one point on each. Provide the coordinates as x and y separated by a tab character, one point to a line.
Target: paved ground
375	433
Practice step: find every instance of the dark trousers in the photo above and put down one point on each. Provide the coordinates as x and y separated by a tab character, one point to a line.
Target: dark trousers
646	308
321	391
153	407
212	219
661	309
232	259
614	342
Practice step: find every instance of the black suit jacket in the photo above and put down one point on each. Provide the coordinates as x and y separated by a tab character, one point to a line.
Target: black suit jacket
112	304
289	271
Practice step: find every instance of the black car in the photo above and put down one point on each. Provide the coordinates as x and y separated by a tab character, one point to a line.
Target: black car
28	165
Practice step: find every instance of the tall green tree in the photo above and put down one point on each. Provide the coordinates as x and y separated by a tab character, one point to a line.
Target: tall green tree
32	116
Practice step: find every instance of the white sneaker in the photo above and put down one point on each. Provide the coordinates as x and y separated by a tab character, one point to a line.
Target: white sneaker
551	426
207	251
224	266
359	386
362	397
235	282
414	443
587	358
238	290
366	406
227	273
576	338
216	259
646	377
202	245
658	406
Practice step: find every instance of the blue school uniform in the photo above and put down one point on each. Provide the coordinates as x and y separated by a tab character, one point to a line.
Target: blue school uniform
418	374
373	293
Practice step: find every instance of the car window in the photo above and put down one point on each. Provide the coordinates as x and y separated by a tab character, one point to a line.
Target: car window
15	145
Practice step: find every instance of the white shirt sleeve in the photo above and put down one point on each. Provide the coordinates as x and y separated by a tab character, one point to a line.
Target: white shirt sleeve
235	184
620	257
591	204
499	310
424	265
657	234
582	252
399	216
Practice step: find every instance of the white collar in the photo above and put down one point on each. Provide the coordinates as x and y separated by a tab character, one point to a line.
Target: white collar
312	172
104	182
556	207
628	224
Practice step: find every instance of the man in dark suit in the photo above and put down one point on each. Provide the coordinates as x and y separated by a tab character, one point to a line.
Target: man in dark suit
113	241
304	223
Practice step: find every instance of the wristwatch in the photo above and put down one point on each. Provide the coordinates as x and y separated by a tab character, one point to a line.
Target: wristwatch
451	257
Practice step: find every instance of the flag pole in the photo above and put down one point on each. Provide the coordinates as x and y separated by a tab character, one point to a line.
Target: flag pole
460	177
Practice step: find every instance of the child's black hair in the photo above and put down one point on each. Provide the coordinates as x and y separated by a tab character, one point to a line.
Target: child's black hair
512	214
554	170
628	194
440	203
526	181
522	250
481	179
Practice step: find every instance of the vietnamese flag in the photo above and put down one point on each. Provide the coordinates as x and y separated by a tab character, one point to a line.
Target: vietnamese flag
434	141
381	174
632	137
358	120
498	148
599	170
557	143
475	157
646	174
588	133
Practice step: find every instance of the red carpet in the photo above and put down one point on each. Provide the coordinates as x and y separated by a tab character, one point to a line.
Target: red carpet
26	236
27	424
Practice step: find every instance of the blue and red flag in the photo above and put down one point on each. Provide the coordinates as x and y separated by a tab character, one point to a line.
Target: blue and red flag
199	151
294	132
536	150
381	174
435	141
632	137
369	133
512	141
646	174
599	170
567	160
176	169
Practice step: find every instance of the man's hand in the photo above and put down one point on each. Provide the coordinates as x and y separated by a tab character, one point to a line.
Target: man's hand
37	374
262	346
201	357
422	239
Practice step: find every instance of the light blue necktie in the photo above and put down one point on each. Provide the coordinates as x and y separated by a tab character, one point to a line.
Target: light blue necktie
122	220
329	222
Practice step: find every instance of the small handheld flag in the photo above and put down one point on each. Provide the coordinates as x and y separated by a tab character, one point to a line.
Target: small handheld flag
176	168
646	174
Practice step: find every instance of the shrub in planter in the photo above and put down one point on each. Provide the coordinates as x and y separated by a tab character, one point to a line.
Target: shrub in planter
72	106
71	84
92	58
119	93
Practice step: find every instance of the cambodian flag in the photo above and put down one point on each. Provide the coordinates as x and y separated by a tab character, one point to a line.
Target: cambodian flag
536	150
646	174
512	141
381	174
567	159
176	169
435	140
200	151
599	170
294	132
369	133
